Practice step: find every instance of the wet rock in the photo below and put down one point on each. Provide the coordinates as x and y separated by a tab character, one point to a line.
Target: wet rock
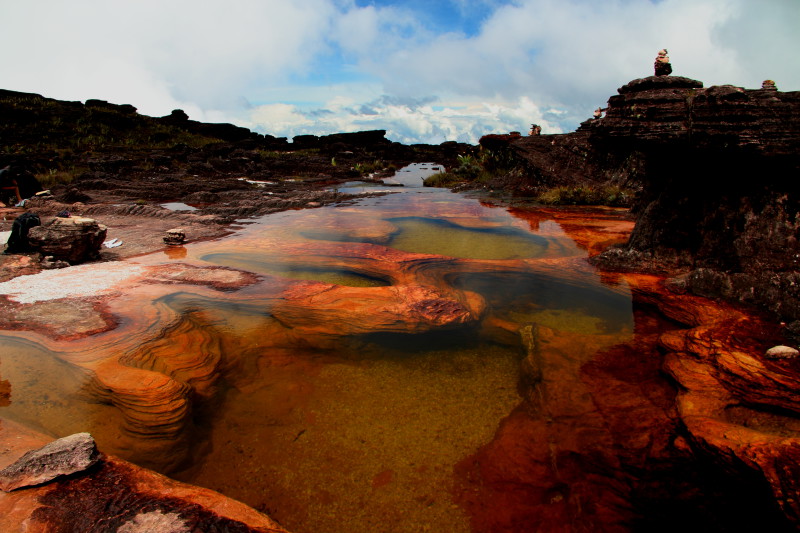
62	457
782	352
74	239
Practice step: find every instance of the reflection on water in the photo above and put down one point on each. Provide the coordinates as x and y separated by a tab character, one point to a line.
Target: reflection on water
570	303
255	262
436	236
326	431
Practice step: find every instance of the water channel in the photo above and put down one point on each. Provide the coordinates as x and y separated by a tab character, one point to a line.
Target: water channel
328	393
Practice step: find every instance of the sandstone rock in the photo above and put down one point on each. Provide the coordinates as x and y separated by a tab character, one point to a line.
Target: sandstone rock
74	239
61	457
175	237
782	352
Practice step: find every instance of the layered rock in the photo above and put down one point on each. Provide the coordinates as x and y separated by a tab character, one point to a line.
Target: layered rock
718	196
603	441
73	239
716	169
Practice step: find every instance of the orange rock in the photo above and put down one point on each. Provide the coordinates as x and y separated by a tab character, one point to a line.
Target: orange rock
139	498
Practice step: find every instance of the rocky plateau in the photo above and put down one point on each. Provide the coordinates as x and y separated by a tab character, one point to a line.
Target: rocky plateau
687	421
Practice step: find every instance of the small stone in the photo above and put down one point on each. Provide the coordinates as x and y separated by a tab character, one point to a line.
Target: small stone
782	352
50	263
61	457
175	237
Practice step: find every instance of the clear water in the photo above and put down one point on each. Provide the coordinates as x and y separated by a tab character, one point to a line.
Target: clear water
329	431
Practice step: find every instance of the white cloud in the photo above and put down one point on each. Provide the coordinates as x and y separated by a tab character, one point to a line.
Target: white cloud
406	120
293	59
181	51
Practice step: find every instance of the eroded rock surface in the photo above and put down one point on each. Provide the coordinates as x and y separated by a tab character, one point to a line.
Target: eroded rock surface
604	442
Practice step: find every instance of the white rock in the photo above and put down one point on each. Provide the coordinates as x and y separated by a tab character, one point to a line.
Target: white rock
782	352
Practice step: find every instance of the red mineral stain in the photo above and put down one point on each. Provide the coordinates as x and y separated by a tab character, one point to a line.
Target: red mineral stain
382	479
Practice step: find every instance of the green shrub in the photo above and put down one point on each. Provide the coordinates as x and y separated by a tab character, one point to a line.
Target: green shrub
369	168
609	195
442	179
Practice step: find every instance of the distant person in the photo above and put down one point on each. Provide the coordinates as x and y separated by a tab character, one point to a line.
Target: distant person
662	65
15	178
536	129
9	183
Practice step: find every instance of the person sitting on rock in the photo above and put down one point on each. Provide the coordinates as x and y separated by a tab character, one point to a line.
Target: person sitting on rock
8	183
662	65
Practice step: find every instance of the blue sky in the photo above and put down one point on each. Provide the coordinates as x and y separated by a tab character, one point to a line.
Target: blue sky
424	71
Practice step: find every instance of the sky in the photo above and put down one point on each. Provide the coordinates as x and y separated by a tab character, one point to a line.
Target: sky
427	71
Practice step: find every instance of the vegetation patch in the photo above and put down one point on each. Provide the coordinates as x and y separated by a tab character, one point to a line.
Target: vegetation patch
610	195
470	169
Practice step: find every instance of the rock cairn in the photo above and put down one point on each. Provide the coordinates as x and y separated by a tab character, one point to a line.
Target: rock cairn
662	65
769	85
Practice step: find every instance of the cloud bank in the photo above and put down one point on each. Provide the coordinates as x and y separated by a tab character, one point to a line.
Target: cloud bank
425	74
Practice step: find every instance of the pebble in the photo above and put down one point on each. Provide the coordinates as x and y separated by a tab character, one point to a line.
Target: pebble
782	352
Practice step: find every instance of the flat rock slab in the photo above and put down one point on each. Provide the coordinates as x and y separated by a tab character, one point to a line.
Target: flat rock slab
61	457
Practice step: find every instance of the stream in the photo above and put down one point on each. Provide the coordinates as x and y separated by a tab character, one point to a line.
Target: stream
348	388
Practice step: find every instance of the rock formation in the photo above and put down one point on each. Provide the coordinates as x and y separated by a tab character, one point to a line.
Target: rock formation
73	239
722	203
662	66
716	169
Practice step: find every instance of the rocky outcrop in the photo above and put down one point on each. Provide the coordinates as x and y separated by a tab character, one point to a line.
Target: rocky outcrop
715	168
718	195
73	239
